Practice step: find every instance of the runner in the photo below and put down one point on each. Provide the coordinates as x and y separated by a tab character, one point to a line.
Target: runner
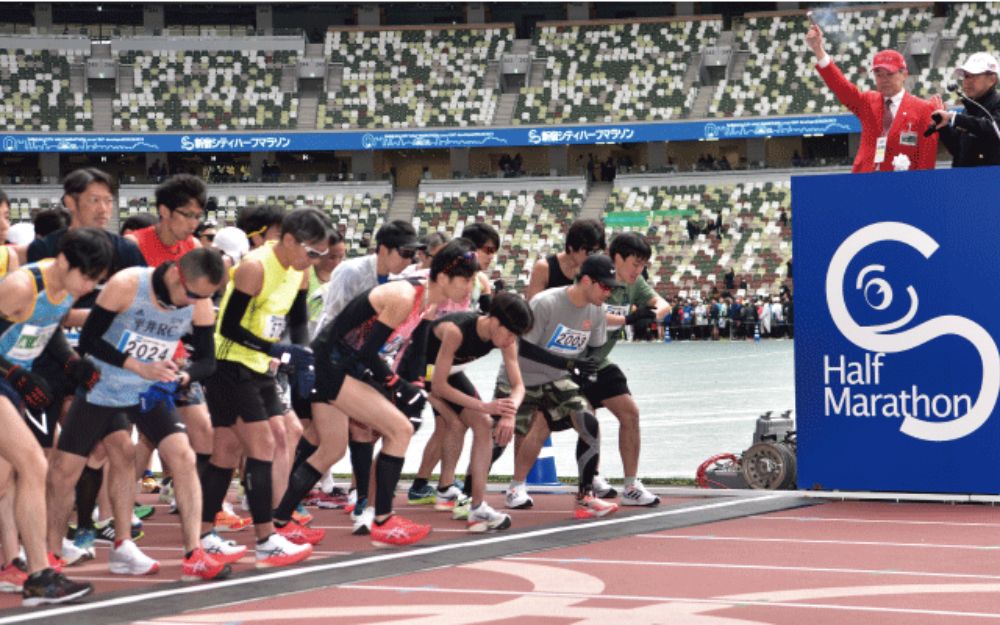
353	381
569	322
584	237
455	341
267	293
133	331
34	301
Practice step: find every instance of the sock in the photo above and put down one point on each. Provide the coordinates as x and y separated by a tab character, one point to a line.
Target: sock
259	490
261	541
418	483
442	488
629	481
87	488
300	482
187	556
214	484
467	487
201	461
516	484
303	451
119	542
387	470
361	464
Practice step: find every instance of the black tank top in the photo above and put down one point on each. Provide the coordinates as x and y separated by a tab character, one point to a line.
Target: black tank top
556	275
472	347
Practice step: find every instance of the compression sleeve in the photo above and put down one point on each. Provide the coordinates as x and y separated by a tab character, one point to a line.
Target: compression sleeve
59	348
201	344
298	319
533	352
231	329
413	364
92	337
370	350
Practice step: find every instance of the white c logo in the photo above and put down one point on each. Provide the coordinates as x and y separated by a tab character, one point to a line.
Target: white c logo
879	294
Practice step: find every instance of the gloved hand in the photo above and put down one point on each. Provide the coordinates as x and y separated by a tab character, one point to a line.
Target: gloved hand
35	391
296	356
642	313
160	392
409	398
583	368
83	372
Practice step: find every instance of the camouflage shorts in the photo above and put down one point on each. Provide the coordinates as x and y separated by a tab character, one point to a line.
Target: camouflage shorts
556	400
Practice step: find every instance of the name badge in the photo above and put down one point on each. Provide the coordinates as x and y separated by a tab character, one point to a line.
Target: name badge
908	138
880	149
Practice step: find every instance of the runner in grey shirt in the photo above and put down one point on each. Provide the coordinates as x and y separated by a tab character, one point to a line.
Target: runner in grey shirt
553	356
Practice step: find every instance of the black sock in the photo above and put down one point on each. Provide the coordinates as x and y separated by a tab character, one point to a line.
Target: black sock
259	490
261	541
467	486
387	470
214	484
188	554
201	461
87	488
361	464
443	487
418	483
299	483
303	451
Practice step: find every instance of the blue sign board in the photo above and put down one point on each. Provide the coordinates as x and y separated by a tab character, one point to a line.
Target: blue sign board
897	295
355	140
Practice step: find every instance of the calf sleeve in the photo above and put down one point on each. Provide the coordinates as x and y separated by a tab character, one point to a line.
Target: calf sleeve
361	465
303	478
303	452
387	470
259	490
214	484
588	448
87	488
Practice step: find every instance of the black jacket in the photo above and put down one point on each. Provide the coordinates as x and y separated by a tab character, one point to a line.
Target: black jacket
972	141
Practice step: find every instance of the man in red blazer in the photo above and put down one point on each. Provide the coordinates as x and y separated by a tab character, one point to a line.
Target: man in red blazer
892	121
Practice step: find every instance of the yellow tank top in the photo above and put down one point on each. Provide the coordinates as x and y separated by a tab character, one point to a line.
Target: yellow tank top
4	260
267	312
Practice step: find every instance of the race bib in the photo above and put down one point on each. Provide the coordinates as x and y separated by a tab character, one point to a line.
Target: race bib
274	327
568	340
32	341
615	309
146	348
72	335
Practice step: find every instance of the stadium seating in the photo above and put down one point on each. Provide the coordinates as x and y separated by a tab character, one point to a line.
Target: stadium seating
35	92
413	78
531	223
974	28
613	71
780	77
352	213
25	208
753	242
231	90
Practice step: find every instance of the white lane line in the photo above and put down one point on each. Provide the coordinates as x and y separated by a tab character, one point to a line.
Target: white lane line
376	559
721	602
753	567
815	541
819	519
135	580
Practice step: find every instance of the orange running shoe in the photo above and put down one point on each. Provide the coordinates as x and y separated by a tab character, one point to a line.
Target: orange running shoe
230	522
398	532
56	564
12	578
302	516
591	507
203	566
300	534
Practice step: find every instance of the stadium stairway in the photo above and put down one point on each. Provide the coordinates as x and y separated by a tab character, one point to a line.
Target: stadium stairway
404	201
597	200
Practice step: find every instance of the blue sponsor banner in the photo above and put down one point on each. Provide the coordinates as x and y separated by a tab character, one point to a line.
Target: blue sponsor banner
429	139
897	370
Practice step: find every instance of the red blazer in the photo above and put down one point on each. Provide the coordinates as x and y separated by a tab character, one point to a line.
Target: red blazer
913	115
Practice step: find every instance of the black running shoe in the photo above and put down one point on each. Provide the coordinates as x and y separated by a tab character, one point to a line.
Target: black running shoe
106	533
50	587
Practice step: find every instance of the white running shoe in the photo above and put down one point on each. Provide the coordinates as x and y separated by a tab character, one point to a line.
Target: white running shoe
129	560
279	551
71	554
363	522
484	518
637	495
446	500
222	550
603	489
517	497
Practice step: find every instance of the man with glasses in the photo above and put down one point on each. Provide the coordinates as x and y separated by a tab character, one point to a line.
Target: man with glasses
892	121
266	295
205	233
132	332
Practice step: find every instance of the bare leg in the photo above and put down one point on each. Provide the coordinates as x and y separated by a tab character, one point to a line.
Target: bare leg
176	450
627	412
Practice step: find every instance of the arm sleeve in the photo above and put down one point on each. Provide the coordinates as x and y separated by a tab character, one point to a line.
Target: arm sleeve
298	319
231	329
92	337
201	344
531	351
338	294
370	350
59	348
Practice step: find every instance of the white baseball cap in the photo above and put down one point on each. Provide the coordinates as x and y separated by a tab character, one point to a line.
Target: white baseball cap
21	233
978	63
232	241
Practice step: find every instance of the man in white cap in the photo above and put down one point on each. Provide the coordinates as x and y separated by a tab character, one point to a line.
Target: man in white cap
973	136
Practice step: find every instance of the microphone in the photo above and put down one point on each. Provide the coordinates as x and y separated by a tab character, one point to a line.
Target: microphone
953	87
933	127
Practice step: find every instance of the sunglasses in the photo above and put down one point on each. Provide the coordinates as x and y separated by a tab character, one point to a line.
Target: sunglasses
604	287
406	252
191	216
187	291
210	237
488	249
314	253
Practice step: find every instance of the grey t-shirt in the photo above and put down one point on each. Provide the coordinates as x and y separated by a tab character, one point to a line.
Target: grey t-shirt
561	328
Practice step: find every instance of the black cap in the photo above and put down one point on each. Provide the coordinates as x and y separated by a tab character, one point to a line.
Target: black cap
397	234
600	268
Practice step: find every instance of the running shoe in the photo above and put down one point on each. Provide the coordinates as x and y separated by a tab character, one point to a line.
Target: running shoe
300	534
484	519
326	501
277	551
398	532
12	578
71	554
461	510
222	550
136	522
142	512
127	559
603	489
49	587
352	501
329	486
425	495
149	484
591	507
166	490
229	522
83	539
172	509
105	532
202	566
302	516
56	564
363	521
517	497
445	499
636	494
